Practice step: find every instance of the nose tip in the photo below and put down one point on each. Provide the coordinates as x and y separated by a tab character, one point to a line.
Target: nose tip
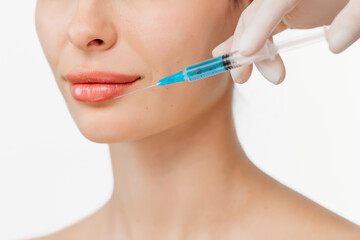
91	33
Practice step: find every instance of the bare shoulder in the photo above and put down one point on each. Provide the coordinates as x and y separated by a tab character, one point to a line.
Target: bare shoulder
90	227
64	233
68	232
293	214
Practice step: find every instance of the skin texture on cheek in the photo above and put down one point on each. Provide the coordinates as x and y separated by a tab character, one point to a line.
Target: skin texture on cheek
174	36
52	20
51	23
177	33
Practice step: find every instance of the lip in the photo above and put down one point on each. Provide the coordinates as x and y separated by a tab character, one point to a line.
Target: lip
97	86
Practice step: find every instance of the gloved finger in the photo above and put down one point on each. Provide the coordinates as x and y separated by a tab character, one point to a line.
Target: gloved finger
273	70
260	20
345	29
239	75
223	48
242	74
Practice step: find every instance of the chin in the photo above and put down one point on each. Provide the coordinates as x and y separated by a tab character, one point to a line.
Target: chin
99	137
114	131
102	135
100	130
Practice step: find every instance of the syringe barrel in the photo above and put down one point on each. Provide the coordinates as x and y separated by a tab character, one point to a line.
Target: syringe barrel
227	62
315	35
205	69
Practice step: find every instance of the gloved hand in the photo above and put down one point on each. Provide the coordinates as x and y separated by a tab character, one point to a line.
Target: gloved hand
264	18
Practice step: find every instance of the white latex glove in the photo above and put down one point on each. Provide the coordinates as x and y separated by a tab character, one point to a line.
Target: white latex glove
259	20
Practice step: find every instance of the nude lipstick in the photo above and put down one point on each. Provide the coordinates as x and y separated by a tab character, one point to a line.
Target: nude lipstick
98	86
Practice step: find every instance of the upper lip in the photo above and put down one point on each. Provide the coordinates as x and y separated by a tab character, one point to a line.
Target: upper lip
98	76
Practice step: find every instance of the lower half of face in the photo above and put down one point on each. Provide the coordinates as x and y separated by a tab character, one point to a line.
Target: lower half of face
150	39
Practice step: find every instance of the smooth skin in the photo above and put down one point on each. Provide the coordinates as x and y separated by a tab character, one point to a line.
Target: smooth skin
179	169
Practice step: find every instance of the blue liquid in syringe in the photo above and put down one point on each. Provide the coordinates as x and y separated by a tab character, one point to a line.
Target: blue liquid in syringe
200	70
207	68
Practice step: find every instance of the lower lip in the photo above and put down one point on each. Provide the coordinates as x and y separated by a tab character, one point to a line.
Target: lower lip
98	92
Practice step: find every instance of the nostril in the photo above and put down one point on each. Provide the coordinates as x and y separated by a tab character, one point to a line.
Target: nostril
96	42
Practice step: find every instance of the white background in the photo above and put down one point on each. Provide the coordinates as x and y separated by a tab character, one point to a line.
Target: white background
304	132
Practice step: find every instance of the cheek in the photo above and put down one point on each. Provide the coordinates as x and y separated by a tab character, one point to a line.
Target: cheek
170	38
159	44
51	29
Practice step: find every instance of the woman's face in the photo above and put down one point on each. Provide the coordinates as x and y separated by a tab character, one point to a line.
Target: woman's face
147	38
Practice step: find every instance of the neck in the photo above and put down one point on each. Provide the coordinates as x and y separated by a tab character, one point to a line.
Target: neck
179	178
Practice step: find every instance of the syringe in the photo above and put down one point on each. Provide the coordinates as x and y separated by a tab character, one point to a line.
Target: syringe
234	59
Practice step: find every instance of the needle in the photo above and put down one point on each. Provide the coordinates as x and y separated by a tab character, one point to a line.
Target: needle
138	90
